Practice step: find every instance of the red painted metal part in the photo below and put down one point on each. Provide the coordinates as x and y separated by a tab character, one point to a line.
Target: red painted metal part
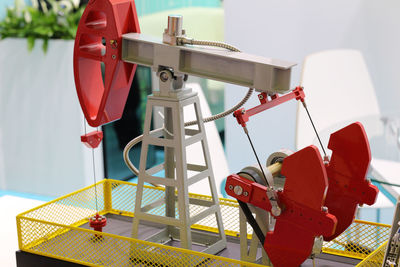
256	192
301	200
242	116
97	222
99	40
347	172
93	139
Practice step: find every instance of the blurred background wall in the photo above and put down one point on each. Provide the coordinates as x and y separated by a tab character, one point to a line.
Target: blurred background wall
290	30
43	154
285	29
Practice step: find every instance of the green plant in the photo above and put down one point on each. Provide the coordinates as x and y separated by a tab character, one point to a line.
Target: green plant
45	20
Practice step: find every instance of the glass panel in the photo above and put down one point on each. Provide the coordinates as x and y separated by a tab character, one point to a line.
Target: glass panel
118	133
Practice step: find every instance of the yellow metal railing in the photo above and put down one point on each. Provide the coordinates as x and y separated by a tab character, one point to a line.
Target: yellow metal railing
359	240
375	259
55	229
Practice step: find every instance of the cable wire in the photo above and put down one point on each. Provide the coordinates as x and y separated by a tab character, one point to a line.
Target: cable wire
223	114
315	130
255	154
382	182
226	112
94	167
190	41
94	180
139	138
183	41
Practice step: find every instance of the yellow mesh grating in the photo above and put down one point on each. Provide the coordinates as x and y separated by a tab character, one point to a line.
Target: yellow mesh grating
112	250
53	230
375	259
359	240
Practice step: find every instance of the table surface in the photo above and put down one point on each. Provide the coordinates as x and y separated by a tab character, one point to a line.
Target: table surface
10	207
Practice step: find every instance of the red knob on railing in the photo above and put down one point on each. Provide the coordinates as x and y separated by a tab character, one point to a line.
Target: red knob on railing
97	222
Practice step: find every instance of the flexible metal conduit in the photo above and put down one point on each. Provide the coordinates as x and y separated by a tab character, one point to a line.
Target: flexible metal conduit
223	114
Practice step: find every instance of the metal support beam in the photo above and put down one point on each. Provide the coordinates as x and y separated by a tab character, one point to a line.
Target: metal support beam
263	74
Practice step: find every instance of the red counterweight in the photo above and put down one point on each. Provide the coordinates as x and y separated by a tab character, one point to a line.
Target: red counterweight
302	199
309	206
347	172
98	45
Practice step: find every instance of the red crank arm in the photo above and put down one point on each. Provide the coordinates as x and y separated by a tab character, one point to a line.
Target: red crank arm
302	199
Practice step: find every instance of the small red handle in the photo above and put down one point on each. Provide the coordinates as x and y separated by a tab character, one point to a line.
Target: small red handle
98	48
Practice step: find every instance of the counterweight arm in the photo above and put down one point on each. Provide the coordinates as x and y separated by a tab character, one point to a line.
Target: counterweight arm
302	217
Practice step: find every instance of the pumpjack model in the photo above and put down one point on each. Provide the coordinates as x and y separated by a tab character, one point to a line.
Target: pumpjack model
300	199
